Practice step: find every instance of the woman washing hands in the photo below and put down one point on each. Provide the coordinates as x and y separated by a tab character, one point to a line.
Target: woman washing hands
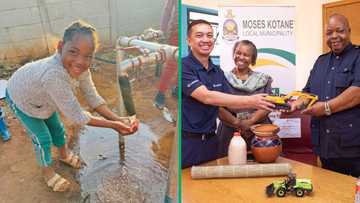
243	81
39	90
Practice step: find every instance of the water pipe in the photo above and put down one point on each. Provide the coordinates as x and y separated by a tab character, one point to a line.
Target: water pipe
160	53
171	52
152	53
150	35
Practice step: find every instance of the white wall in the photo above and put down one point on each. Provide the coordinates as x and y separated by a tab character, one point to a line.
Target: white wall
308	32
30	28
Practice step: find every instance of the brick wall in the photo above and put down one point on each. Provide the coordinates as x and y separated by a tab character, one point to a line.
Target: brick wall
31	28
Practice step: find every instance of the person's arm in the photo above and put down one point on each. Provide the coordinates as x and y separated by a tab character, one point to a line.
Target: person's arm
230	120
346	100
216	98
59	89
349	98
259	114
116	125
88	90
105	112
226	117
192	86
300	102
255	118
96	102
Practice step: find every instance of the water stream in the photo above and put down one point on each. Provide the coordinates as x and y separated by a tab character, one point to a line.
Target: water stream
105	178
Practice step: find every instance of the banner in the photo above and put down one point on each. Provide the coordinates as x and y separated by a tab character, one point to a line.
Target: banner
272	30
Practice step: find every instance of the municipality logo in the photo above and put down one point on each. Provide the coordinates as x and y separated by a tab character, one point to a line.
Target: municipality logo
230	27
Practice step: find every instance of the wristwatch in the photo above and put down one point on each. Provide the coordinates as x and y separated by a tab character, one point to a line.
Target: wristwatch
327	109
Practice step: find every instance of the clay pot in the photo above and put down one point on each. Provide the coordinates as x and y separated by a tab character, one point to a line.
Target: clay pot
266	145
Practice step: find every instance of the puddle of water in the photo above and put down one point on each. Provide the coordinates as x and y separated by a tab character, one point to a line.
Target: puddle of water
105	178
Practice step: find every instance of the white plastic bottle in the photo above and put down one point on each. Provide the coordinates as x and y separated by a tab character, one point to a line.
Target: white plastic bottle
237	150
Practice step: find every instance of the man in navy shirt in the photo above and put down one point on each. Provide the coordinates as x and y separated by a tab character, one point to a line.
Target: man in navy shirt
335	123
203	91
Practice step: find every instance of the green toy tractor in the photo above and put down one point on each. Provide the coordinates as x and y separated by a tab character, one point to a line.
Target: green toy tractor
291	184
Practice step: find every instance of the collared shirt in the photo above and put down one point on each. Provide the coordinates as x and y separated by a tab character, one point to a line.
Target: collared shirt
198	117
43	87
337	135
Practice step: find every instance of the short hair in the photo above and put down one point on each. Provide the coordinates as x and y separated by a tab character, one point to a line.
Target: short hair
80	27
196	22
342	18
252	47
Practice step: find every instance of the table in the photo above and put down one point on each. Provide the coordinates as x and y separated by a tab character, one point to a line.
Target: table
328	186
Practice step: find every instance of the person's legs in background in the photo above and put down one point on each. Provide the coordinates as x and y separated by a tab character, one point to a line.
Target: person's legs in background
167	75
4	132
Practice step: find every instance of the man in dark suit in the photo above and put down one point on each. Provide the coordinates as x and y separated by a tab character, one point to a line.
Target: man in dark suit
335	78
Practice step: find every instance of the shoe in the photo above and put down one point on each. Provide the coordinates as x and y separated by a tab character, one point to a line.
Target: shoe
159	101
5	136
167	115
58	183
72	160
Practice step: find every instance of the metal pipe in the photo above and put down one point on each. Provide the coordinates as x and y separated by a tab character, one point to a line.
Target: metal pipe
125	88
151	34
120	107
171	52
120	55
152	58
160	53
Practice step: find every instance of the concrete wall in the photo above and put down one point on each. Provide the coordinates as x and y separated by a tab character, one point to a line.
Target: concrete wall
31	28
308	31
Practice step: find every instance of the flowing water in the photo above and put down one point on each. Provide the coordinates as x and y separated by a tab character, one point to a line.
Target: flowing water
142	175
105	178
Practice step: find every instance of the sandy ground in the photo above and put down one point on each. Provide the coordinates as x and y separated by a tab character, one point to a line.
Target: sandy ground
20	177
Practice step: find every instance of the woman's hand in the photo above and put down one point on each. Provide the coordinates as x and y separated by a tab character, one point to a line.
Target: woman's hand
134	125
246	124
242	124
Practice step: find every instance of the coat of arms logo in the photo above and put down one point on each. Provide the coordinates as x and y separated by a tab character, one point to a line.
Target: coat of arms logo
230	28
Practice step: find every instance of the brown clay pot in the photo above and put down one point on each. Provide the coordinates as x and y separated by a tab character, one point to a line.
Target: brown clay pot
266	146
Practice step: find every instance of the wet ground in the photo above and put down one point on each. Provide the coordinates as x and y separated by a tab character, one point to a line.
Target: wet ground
107	178
141	177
